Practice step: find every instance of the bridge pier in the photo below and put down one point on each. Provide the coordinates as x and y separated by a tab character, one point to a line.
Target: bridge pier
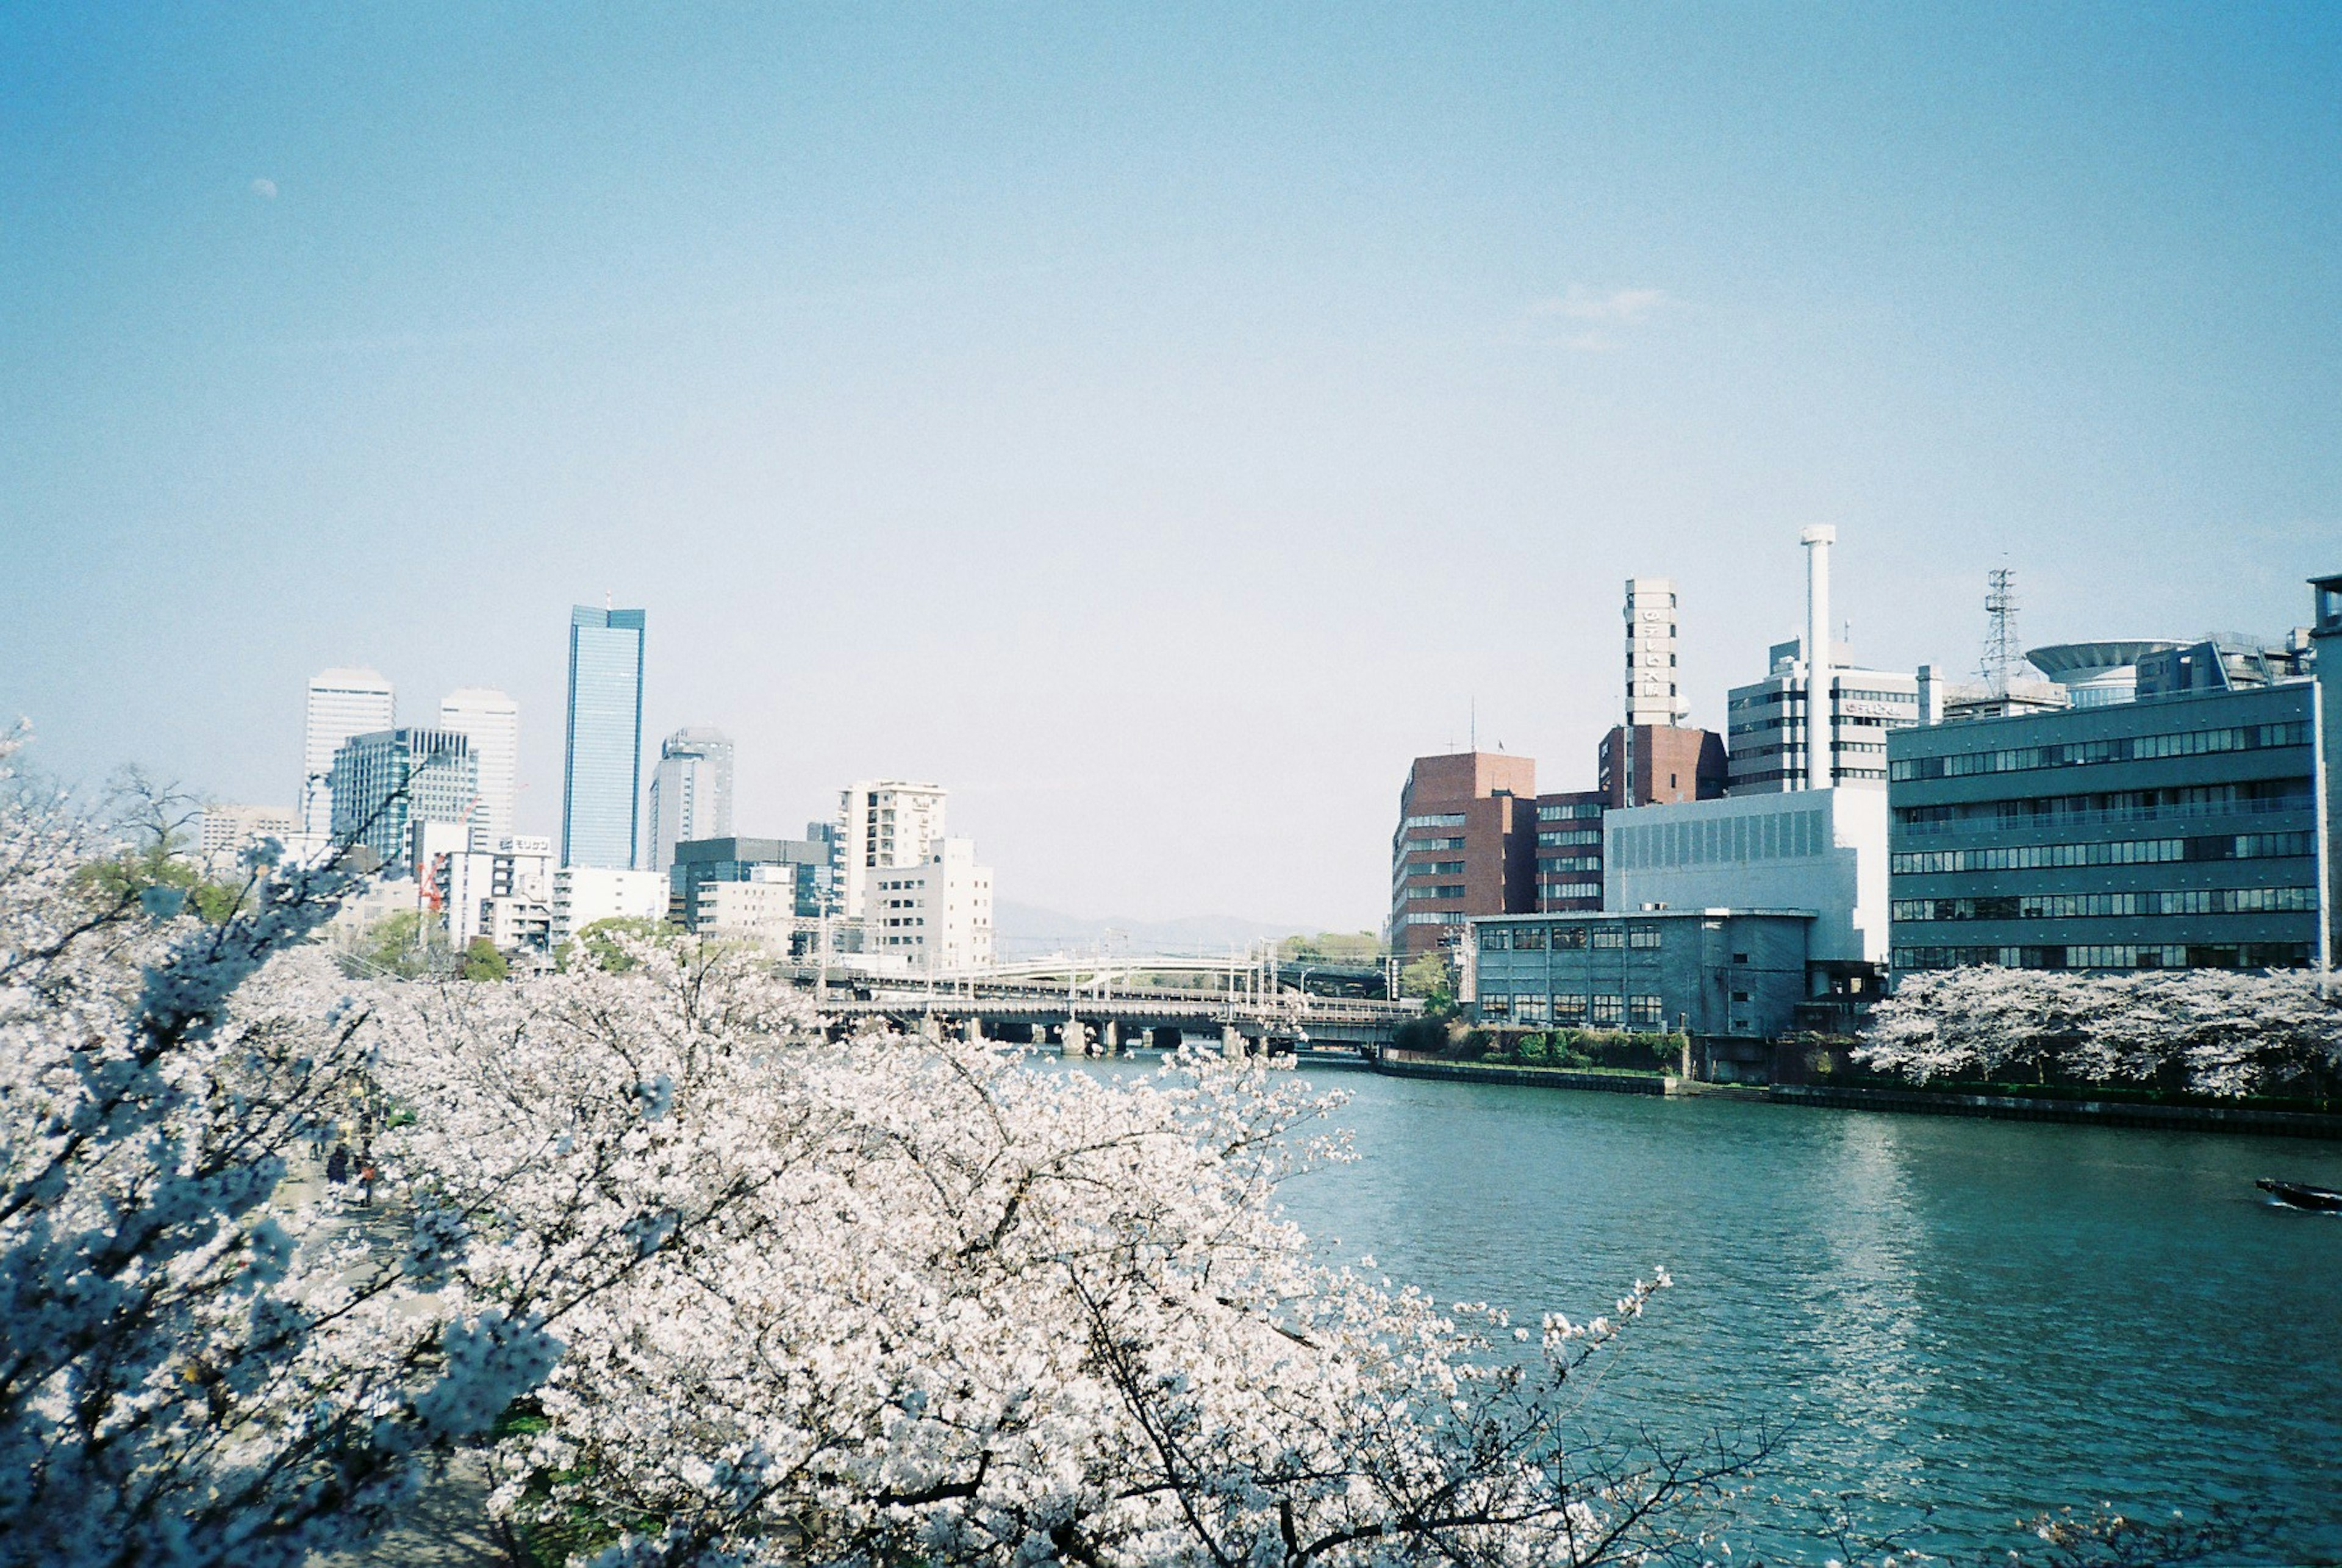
1073	1039
1110	1037
971	1029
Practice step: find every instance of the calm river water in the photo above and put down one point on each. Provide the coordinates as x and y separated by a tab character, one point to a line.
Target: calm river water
1984	1320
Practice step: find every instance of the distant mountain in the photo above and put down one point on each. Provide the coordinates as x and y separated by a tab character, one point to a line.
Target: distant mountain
1028	931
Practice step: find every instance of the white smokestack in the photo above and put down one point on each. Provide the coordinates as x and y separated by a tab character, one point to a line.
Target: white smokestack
1821	716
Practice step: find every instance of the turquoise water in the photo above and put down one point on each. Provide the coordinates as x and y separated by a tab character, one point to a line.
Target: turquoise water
1964	1321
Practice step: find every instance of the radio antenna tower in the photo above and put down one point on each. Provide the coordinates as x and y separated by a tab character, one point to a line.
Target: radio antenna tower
2001	656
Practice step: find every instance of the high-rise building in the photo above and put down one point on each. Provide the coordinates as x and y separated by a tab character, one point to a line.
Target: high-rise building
882	824
1465	845
342	703
387	782
492	722
691	792
1768	724
602	765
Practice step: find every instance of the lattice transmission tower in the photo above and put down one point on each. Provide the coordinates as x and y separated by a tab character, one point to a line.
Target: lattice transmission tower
2001	650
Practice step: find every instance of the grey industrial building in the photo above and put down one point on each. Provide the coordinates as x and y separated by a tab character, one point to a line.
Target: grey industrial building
2175	831
1715	972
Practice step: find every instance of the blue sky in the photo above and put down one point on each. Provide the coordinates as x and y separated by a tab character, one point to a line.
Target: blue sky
1157	424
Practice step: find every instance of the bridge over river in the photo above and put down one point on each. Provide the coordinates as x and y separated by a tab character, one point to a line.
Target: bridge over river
1101	1005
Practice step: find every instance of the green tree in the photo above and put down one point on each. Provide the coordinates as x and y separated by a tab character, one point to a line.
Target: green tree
1355	948
483	961
1430	977
597	944
402	945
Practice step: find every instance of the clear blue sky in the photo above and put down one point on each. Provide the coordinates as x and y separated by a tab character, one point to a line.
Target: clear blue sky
1156	424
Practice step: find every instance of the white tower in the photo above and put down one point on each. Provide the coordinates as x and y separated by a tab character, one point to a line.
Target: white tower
342	703
1653	695
1821	708
491	721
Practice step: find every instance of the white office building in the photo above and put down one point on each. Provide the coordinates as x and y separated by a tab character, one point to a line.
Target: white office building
227	830
491	721
343	704
937	914
582	894
1823	851
499	888
764	908
883	824
691	792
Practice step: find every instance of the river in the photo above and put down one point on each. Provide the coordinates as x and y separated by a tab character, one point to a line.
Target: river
1965	1322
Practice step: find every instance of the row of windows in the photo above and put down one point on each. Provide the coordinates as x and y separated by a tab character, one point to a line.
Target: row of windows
1569	812
1419	846
1444	818
2111	749
1569	889
1559	864
1597	1009
2109	906
1796	696
1435	917
1435	868
2251	796
1565	938
1443	890
1569	835
2112	955
2116	852
1775	835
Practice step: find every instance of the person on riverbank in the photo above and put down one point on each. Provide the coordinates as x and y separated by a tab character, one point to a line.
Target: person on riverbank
337	1165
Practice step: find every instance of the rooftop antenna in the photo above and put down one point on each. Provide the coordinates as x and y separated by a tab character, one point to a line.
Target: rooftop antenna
1476	723
608	601
2000	640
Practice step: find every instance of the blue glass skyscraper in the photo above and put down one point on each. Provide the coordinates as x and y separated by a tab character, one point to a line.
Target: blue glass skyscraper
605	760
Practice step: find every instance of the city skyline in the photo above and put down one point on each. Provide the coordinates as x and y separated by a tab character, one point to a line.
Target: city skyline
1105	414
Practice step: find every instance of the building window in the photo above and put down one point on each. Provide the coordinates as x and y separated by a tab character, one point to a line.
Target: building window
1496	939
1645	1012
1569	939
1496	1005
1569	1009
1643	936
1606	1011
1529	939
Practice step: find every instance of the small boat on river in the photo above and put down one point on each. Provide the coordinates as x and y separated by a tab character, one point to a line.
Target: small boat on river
2301	1195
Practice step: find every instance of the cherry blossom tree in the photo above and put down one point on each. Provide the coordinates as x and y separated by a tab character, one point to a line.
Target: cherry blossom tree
2212	1030
922	1302
738	1291
192	1369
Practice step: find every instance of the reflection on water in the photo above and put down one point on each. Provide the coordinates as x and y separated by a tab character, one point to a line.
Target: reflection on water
1965	1322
